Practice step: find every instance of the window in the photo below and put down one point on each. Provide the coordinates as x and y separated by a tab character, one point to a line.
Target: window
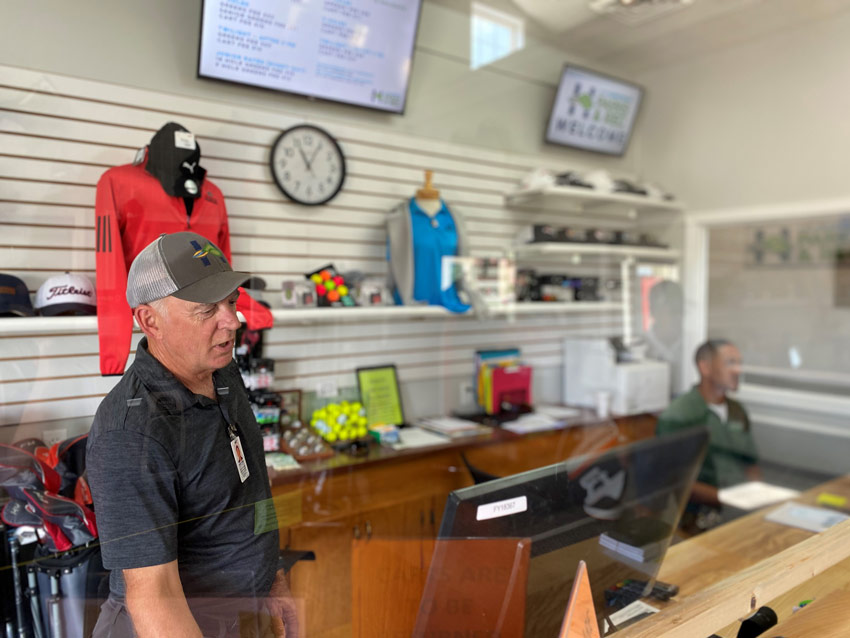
779	290
493	35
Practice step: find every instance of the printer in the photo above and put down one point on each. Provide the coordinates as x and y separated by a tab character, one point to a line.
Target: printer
635	385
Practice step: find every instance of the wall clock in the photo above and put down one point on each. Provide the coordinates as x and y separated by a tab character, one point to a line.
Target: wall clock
308	165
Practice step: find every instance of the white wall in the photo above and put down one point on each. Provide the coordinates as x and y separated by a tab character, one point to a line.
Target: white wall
755	128
154	45
762	122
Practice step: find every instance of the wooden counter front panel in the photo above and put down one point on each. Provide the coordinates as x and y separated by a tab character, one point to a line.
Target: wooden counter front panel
405	498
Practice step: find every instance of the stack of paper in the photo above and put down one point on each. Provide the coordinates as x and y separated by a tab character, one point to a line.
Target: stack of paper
414	437
544	417
452	427
281	461
640	554
640	539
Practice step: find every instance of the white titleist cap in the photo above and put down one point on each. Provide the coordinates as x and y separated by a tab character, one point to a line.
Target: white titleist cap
66	295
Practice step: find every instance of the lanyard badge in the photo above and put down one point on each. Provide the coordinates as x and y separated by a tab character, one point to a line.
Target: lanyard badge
235	445
239	457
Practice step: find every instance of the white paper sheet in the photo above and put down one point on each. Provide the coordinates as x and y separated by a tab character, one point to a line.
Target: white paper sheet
754	494
533	422
449	424
558	411
628	612
814	519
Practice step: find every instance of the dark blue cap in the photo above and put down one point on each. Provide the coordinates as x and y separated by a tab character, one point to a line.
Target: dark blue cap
14	297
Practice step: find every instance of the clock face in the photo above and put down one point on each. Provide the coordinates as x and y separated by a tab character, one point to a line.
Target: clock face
308	165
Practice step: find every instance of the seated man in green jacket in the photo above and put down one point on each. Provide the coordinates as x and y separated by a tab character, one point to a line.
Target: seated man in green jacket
731	455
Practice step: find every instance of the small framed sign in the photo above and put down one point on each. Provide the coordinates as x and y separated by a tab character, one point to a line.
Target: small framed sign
290	403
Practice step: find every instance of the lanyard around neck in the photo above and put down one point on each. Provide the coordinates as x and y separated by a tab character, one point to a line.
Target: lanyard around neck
232	432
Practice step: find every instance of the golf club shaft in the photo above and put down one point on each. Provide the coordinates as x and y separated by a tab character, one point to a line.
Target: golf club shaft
54	608
16	579
35	607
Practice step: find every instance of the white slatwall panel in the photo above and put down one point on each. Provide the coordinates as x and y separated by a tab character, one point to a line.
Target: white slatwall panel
59	134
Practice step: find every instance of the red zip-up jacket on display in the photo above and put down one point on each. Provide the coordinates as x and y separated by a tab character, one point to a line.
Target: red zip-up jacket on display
132	209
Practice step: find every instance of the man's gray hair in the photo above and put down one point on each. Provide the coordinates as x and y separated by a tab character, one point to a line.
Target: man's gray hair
160	305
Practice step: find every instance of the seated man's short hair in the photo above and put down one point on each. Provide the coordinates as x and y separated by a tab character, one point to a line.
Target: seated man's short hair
708	350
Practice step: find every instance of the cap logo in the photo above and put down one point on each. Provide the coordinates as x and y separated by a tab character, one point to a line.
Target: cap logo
56	291
201	253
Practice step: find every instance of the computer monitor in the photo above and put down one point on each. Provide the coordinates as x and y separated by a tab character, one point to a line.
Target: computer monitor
616	510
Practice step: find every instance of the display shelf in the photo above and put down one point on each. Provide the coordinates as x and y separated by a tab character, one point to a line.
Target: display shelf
559	198
22	326
332	315
14	326
561	249
559	308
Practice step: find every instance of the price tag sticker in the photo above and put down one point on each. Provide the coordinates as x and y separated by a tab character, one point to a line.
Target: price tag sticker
184	139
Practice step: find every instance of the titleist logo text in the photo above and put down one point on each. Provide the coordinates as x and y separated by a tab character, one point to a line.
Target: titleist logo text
58	291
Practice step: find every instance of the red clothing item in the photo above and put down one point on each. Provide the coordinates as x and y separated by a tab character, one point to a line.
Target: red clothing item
132	209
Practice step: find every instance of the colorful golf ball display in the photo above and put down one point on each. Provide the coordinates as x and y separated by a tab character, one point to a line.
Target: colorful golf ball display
331	288
344	421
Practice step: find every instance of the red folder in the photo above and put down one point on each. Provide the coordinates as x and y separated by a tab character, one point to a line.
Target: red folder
511	384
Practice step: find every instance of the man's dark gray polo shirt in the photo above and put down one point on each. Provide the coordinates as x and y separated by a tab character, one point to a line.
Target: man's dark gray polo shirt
165	484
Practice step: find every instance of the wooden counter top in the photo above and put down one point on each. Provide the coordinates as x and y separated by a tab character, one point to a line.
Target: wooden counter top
727	554
587	426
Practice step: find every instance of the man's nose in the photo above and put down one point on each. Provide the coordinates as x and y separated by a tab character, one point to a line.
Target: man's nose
228	319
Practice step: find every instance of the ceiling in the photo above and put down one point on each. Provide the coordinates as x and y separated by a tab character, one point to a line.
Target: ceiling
674	36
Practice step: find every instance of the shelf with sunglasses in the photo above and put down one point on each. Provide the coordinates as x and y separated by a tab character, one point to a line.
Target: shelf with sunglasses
596	191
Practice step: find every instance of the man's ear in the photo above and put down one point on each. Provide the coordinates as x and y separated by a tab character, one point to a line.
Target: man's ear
704	368
148	320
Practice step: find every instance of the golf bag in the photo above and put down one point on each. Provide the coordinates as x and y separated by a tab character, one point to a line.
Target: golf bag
72	587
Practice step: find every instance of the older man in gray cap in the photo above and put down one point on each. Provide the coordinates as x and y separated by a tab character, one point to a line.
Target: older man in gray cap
176	464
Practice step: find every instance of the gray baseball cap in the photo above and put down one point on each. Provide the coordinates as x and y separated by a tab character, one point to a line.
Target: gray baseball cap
184	265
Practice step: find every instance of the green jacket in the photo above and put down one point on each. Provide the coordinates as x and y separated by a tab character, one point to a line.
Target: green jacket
731	449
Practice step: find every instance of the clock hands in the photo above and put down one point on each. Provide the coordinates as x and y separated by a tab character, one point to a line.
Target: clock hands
312	159
304	157
309	162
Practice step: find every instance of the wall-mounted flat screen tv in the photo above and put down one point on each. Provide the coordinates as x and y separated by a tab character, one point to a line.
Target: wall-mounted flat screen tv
351	51
593	111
